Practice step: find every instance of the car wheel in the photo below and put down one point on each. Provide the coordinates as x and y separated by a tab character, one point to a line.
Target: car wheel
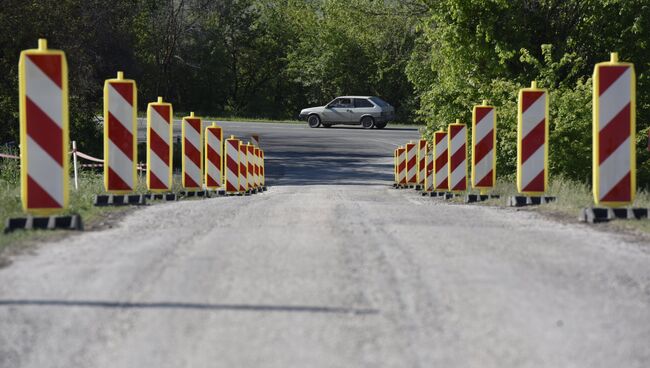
367	122
380	125
313	121
325	125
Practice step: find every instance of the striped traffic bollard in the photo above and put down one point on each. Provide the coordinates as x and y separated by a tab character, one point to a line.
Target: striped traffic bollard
401	166
457	157
250	152
440	161
231	178
411	164
421	162
484	138
159	146
213	157
532	147
44	136
614	133
120	135
263	169
258	168
532	141
243	168
192	152
428	182
614	140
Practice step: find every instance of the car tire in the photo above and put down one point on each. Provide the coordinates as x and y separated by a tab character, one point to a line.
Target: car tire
313	121
326	125
367	122
380	125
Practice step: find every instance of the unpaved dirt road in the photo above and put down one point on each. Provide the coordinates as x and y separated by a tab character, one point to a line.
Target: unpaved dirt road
329	268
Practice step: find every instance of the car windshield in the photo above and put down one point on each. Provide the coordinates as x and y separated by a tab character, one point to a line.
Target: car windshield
379	101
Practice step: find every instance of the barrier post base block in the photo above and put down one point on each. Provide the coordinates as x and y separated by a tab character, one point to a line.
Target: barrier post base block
418	187
71	222
521	201
162	197
194	193
103	200
473	198
217	193
595	215
448	196
264	189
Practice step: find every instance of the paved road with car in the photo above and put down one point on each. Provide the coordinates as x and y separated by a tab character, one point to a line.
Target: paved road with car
329	268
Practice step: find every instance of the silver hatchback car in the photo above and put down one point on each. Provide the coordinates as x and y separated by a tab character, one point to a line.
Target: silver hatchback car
367	111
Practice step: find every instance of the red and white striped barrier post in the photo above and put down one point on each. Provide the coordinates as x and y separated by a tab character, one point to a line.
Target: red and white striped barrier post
213	157
411	164
614	141
422	162
232	165
159	146
532	142
263	169
120	135
428	182
440	159
457	141
401	166
258	168
250	158
614	133
484	138
44	134
532	147
243	168
192	152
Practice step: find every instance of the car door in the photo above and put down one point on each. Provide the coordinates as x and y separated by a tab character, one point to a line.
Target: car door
362	107
341	111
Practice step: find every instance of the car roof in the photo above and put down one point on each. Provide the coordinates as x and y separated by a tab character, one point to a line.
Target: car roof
355	96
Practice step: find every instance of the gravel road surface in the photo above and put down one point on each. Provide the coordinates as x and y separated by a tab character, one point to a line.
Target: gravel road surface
329	268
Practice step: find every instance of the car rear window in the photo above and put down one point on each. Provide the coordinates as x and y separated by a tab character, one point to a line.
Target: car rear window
362	102
379	101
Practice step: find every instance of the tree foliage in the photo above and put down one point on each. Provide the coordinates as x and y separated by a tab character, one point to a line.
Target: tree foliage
432	59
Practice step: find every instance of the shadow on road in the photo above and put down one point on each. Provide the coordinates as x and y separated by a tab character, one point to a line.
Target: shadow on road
193	306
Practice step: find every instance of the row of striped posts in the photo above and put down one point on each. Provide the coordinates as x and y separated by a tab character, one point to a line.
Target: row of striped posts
44	138
444	167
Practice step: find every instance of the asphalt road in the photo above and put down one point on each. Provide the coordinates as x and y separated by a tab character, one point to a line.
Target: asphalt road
329	268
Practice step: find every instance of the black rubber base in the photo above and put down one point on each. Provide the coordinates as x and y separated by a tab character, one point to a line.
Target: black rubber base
162	197
473	198
120	200
194	194
521	201
594	215
72	222
217	193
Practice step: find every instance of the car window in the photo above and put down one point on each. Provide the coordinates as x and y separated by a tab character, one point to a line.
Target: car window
344	102
362	102
379	101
